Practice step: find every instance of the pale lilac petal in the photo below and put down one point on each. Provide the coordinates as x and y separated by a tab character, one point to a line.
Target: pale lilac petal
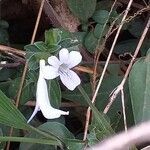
53	60
74	59
71	80
64	55
50	72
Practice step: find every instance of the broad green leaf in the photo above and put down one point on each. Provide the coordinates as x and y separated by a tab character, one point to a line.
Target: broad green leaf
41	45
4	87
126	46
92	139
130	46
34	54
52	37
54	93
139	85
101	121
80	36
90	42
76	96
101	16
30	140
99	32
82	9
4	37
59	130
10	115
104	5
28	91
35	146
136	27
4	24
7	73
74	145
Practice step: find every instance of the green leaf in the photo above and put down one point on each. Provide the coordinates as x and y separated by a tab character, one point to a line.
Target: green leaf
101	16
52	37
54	93
29	140
10	115
35	146
136	27
139	85
7	73
101	121
55	128
126	46
27	91
92	139
74	145
130	46
4	37
90	42
4	24
82	9
99	32
41	45
76	96
34	54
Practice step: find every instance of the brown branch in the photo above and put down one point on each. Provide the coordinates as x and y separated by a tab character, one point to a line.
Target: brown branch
63	104
52	15
7	49
136	5
117	91
122	141
26	66
10	65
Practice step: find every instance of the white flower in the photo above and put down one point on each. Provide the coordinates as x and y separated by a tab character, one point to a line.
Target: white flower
61	67
42	99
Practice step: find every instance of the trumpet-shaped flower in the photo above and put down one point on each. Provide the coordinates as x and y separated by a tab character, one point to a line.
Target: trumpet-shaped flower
42	99
61	67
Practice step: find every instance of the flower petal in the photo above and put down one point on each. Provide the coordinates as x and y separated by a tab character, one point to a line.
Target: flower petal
42	100
52	113
53	60
50	72
64	55
71	80
74	59
36	109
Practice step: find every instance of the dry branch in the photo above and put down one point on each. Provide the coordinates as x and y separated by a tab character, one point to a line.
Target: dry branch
122	141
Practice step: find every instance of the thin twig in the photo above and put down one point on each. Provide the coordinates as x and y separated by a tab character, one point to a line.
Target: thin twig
118	89
63	104
26	66
123	110
9	65
99	50
105	67
122	141
136	5
111	50
7	49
